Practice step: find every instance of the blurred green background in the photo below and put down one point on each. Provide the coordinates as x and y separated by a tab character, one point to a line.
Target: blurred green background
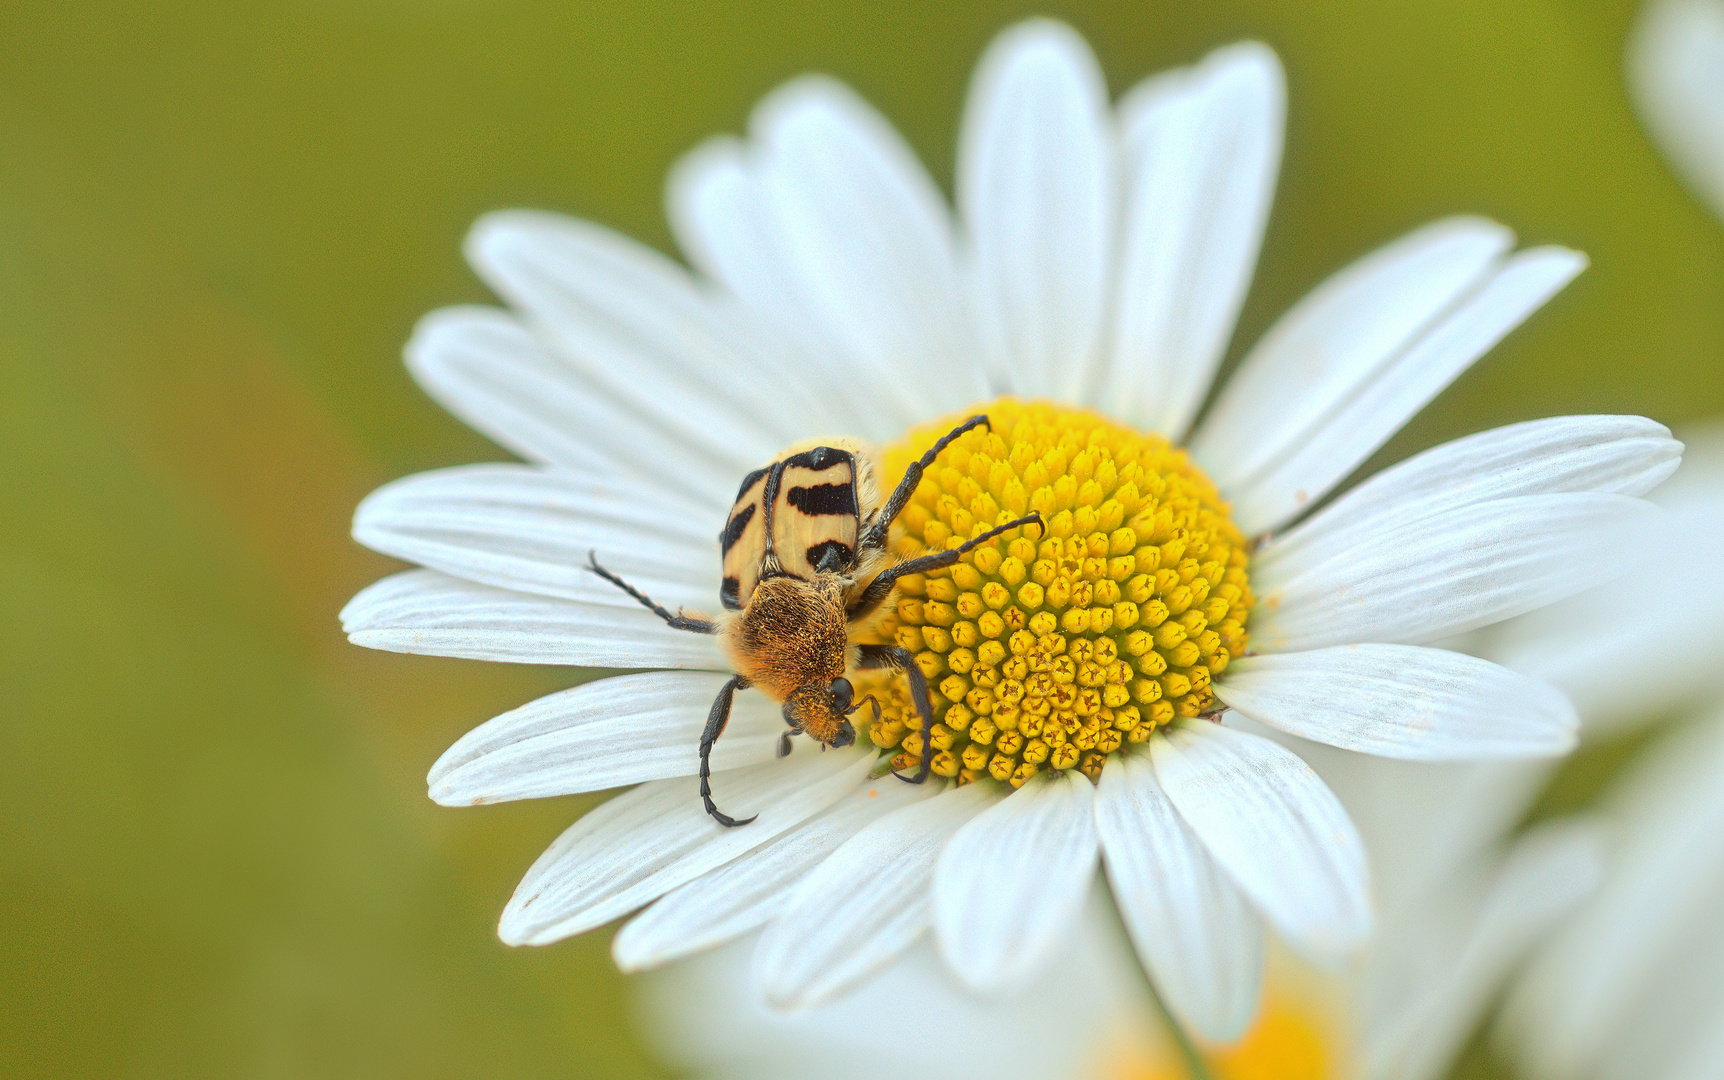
218	223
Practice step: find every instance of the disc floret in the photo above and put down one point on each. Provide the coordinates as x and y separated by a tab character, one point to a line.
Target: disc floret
1053	651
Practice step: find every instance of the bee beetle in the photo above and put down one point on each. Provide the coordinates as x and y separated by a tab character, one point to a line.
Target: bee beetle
805	562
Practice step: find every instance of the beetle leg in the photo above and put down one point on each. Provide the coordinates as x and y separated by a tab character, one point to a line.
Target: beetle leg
875	535
898	658
878	589
715	722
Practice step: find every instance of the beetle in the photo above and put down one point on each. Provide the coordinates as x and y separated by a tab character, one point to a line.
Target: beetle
805	565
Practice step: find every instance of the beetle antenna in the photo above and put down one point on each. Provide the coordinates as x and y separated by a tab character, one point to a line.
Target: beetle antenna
679	621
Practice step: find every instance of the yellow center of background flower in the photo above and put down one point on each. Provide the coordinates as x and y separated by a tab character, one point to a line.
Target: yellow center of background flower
1289	1041
1052	650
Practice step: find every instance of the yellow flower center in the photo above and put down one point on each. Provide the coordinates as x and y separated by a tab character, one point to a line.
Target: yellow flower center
1051	651
1288	1042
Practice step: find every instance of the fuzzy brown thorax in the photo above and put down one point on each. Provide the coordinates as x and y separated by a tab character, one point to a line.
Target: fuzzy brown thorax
792	636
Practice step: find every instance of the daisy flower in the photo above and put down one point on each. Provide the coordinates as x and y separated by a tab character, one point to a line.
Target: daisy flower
1676	76
1461	910
1631	987
1082	297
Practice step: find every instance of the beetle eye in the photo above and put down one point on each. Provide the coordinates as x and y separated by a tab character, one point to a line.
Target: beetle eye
842	692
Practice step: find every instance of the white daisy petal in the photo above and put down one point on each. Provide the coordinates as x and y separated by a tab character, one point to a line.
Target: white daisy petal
716	213
432	614
1202	944
722	217
1010	884
645	842
633	322
888	295
481	364
1335	339
1445	575
532	530
868	902
603	734
1636	648
1201	150
1376	407
1621	455
1277	831
753	888
1676	70
1403	701
1036	187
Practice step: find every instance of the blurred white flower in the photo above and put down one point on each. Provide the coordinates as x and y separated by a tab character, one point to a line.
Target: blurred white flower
1462	910
1633	988
1098	262
1676	76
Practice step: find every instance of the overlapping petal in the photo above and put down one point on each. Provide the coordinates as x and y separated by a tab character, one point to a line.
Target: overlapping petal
1347	366
1456	571
1037	192
1403	701
434	614
1618	455
631	321
1202	944
1339	335
1201	148
1277	831
603	734
774	220
1008	887
532	530
753	888
867	903
645	842
887	296
1631	650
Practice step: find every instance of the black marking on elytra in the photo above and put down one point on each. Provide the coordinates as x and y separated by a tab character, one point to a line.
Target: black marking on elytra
830	556
733	529
822	499
818	459
750	480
